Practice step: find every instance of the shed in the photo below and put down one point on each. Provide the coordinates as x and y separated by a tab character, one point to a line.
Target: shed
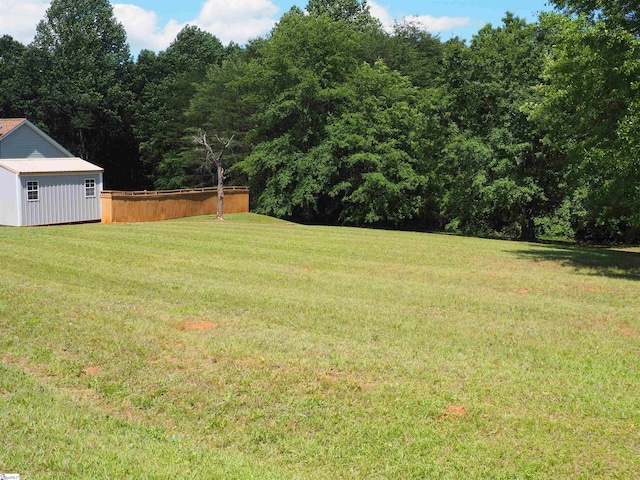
42	183
19	138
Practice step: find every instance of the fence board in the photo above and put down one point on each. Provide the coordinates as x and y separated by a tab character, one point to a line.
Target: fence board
149	206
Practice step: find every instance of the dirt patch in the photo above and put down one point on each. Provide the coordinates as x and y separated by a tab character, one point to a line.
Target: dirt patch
330	377
454	411
198	325
251	362
627	331
595	289
92	370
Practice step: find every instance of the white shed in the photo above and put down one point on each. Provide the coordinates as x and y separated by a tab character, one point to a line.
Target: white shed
42	183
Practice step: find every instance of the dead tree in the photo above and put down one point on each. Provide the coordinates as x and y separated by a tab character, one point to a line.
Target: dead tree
212	162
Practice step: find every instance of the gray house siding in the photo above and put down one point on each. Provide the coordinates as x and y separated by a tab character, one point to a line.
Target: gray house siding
41	182
9	188
61	199
26	143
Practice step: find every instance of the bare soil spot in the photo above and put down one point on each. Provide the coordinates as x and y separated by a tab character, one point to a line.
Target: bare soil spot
330	377
595	289
203	325
92	370
454	411
627	331
251	362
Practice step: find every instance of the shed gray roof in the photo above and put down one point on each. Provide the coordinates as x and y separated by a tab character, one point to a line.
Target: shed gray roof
50	165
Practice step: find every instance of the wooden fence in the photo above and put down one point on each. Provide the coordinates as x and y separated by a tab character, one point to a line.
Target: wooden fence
148	206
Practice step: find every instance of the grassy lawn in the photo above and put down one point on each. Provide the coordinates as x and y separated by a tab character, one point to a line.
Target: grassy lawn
254	348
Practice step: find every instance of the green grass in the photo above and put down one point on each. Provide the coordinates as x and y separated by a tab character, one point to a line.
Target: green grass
336	353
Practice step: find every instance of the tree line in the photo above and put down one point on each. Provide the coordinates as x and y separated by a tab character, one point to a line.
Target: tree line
529	130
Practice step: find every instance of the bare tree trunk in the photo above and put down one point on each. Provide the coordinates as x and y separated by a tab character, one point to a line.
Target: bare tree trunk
220	192
212	159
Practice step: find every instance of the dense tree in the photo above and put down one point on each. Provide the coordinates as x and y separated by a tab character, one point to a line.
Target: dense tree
590	102
415	53
12	85
621	13
166	84
526	130
83	82
353	12
225	103
295	79
337	138
500	169
386	147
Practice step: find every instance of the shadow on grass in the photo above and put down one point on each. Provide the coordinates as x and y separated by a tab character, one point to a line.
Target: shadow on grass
591	261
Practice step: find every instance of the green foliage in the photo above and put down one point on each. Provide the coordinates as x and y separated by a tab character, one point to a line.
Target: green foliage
291	183
386	149
166	84
590	104
531	129
336	138
465	203
620	13
500	175
353	12
12	85
224	103
415	53
294	82
178	169
83	81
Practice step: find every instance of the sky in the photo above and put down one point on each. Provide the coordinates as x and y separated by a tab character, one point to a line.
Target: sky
154	24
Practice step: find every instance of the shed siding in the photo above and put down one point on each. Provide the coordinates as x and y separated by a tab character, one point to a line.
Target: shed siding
9	214
25	143
61	199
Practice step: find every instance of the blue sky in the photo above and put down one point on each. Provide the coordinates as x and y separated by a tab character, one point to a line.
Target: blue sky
153	24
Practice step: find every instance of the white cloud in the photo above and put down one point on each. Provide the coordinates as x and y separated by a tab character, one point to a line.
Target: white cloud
381	13
19	18
143	30
429	23
225	10
237	21
437	24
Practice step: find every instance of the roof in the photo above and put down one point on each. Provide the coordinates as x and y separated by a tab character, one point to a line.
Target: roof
50	165
8	124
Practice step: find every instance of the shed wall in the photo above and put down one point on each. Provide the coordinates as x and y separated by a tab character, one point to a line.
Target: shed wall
9	214
25	143
61	199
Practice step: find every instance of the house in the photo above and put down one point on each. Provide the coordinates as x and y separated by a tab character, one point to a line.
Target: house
41	182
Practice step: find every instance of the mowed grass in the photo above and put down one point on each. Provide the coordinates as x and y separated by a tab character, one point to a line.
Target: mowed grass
255	348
